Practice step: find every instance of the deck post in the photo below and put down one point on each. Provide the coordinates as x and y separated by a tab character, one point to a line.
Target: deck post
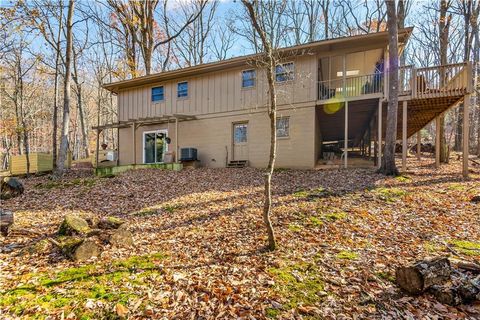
176	140
404	136
437	141
134	144
346	134
118	146
97	148
379	135
466	129
419	144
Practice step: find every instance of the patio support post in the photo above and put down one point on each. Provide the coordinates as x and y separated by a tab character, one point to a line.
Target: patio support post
466	134
404	136
379	148
437	141
134	144
419	144
118	146
97	149
346	135
176	140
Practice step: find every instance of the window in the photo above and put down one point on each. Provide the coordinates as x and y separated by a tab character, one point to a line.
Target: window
182	89
248	78
284	72
157	94
283	127
240	132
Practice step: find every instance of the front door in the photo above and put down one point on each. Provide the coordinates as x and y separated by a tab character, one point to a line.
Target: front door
154	146
240	141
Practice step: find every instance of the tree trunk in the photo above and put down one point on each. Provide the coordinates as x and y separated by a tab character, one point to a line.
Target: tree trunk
417	278
388	166
444	29
270	62
62	156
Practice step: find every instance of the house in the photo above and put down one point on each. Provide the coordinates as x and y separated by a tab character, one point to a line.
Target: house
332	102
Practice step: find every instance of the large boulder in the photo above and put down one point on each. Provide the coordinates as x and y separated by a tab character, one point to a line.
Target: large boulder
6	220
79	249
10	187
73	225
121	238
110	223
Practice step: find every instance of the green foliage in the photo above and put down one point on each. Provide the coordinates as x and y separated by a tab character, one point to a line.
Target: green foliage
457	187
385	275
334	216
403	178
272	313
300	284
347	255
294	227
467	247
390	194
315	221
108	283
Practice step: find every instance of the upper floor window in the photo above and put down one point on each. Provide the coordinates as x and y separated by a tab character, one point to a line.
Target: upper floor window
248	78
158	94
182	89
284	72
283	127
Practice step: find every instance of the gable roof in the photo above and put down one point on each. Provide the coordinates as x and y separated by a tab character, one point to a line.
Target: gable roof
308	48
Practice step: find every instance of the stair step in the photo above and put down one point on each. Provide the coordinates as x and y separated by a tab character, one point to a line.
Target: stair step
237	164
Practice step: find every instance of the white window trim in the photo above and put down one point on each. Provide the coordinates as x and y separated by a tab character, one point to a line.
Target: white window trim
165	131
293	72
255	79
188	90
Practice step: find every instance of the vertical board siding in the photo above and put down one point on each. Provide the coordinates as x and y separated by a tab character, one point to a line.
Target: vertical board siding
219	91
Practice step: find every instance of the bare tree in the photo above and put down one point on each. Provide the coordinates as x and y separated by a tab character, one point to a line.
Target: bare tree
269	61
388	166
62	156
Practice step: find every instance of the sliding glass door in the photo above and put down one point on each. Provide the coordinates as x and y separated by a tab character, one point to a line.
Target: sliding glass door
154	146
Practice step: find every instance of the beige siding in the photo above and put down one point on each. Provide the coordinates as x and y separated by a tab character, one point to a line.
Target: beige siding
212	137
218	92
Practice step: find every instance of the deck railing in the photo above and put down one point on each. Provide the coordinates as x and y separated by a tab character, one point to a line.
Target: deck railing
439	81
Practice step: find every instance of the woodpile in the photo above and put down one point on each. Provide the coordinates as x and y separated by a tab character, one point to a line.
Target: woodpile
450	284
81	237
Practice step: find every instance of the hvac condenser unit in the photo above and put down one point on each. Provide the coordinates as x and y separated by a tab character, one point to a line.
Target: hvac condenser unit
188	154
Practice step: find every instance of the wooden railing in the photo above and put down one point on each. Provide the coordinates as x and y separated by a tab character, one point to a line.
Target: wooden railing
439	81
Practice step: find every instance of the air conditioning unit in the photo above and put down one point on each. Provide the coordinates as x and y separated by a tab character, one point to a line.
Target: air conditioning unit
188	154
112	156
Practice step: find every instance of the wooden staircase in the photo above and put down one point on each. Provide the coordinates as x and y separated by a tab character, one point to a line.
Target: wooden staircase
237	164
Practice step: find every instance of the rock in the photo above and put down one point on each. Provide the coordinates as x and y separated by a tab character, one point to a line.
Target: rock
79	249
110	223
121	238
10	187
424	274
41	246
6	220
73	225
475	199
91	218
446	294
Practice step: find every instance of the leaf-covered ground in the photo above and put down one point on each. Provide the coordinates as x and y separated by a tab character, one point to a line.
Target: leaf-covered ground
199	244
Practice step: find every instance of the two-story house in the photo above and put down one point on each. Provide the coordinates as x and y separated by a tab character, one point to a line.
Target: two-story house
330	93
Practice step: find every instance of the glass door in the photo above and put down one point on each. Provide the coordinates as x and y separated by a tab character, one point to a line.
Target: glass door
154	146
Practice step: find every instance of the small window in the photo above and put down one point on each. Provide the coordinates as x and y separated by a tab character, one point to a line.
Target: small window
158	94
182	89
240	132
284	72
248	78
283	127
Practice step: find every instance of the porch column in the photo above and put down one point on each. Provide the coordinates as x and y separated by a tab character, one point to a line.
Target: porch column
134	144
176	140
118	146
404	136
97	149
379	155
346	135
419	144
437	141
466	134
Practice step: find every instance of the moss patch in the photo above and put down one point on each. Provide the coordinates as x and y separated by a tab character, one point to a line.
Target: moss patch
294	227
457	187
347	255
314	221
390	194
403	178
299	284
467	247
334	216
68	290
